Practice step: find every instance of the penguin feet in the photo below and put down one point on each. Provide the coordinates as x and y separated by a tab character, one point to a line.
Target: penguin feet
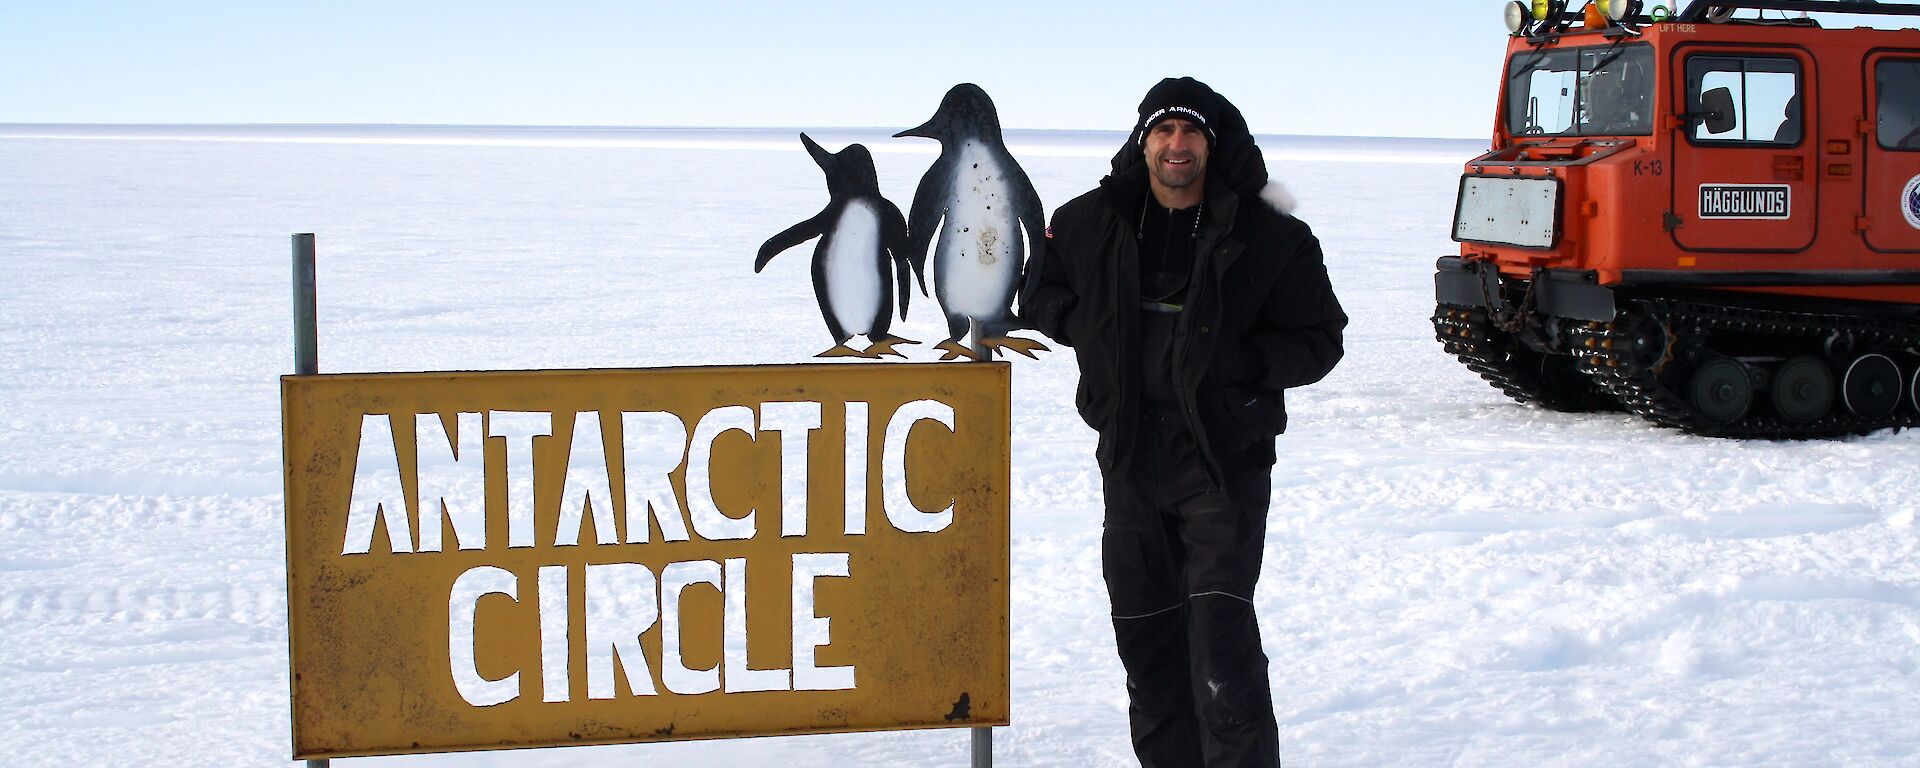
954	350
1023	346
885	347
841	350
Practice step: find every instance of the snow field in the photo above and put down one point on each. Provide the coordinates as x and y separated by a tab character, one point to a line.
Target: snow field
1450	578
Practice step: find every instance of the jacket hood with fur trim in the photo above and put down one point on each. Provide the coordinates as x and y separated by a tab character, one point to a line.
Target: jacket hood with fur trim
1234	158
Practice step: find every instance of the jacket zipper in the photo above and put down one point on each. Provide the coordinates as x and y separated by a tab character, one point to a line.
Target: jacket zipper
1182	327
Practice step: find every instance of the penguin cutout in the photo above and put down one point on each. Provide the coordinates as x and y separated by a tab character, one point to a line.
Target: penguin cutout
991	215
860	232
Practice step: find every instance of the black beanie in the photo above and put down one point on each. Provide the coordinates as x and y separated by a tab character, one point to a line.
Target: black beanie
1184	98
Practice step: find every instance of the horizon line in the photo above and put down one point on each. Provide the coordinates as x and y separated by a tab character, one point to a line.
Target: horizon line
5	125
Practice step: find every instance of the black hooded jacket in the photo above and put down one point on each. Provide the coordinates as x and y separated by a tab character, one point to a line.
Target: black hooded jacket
1260	315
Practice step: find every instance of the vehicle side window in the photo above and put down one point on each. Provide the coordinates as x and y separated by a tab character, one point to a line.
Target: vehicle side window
1744	100
1898	85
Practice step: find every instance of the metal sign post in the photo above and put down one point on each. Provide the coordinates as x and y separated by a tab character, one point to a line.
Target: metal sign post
306	333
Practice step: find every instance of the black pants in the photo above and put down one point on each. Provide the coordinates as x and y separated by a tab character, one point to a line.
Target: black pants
1181	558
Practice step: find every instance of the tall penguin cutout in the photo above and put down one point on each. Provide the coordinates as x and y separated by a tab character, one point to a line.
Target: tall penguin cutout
986	203
860	233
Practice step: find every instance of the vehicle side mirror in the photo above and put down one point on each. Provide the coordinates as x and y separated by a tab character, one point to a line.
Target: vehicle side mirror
1716	110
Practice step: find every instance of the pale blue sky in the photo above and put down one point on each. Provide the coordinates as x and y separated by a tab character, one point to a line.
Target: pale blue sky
1410	69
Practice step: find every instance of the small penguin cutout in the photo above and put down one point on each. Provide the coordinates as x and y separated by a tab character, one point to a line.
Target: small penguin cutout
986	215
861	235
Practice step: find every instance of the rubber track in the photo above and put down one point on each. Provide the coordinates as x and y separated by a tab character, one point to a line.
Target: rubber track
1606	355
1469	336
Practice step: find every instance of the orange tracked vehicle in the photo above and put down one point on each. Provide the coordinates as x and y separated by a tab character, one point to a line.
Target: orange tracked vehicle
1710	219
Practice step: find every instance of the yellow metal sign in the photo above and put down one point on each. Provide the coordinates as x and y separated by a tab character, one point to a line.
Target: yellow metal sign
524	559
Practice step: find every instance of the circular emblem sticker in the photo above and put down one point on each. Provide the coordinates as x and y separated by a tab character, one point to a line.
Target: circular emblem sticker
1910	202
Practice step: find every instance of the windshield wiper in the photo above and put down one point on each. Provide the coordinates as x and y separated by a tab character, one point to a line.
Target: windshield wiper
1612	52
1527	66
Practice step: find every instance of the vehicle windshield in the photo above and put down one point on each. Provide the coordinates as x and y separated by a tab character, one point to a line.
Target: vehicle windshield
1597	91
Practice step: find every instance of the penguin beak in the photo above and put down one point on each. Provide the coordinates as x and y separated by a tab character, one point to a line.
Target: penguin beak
924	131
821	156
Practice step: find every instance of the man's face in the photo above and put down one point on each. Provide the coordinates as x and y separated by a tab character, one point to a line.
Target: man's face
1177	153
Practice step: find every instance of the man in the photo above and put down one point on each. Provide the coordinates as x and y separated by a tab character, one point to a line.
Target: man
1191	304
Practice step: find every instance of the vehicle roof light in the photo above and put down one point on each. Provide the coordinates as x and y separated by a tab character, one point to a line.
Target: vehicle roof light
1619	10
1517	17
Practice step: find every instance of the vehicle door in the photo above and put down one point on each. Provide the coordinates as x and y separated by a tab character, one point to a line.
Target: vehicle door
1892	172
1743	170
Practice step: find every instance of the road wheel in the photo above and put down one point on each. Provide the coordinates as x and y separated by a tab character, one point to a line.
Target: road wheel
1871	386
1802	390
1722	390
